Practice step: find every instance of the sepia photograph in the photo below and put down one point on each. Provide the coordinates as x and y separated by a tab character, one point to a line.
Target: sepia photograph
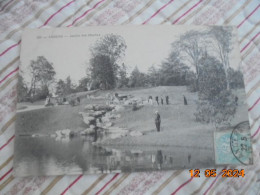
129	99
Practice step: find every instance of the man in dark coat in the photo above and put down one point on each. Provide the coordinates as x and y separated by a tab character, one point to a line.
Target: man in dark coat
157	121
161	100
167	100
78	99
157	99
236	100
185	100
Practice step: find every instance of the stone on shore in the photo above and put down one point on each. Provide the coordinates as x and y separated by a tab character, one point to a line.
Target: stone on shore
89	107
89	120
87	131
108	124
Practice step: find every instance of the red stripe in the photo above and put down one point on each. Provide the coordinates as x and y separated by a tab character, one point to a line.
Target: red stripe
7	142
254	104
107	183
182	185
187	12
213	182
249	42
6	5
57	12
75	181
6	174
85	13
39	27
248	16
158	11
10	48
257	131
9	74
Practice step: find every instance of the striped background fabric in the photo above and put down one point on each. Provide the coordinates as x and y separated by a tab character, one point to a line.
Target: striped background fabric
15	15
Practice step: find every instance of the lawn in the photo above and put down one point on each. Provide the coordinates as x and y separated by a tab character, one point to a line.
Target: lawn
178	125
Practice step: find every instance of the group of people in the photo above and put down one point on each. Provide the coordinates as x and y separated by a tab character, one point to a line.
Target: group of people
150	100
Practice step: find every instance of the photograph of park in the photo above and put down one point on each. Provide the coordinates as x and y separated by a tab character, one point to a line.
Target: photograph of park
125	99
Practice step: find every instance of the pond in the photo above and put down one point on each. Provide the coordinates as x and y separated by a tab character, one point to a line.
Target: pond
77	155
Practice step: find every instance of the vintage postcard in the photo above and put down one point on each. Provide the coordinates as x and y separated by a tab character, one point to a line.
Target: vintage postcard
130	98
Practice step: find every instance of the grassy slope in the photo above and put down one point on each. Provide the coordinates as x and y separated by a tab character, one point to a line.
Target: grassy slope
178	121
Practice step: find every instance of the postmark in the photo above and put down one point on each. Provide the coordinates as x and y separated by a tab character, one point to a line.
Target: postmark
240	143
233	146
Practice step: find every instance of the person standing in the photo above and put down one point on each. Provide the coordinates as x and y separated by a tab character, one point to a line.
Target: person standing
162	100
157	100
167	100
150	100
78	99
157	121
185	100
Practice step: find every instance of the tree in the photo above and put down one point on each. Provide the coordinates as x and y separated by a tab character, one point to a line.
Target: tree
138	79
173	71
69	87
191	45
60	87
42	75
223	37
212	80
122	80
106	54
236	79
216	104
22	89
83	84
154	76
102	71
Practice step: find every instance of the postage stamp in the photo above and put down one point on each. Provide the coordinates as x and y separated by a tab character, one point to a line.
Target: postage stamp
233	146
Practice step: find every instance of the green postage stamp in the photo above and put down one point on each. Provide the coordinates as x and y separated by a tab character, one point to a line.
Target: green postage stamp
233	146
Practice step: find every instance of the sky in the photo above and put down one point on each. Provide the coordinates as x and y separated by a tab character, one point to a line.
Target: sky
68	48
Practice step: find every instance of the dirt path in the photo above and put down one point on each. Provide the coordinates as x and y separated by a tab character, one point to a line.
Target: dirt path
31	107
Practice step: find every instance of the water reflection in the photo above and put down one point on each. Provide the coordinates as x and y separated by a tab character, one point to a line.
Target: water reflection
47	156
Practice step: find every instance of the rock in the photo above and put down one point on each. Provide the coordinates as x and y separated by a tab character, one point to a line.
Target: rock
105	118
89	107
119	108
35	135
58	133
108	124
98	114
87	131
136	133
89	120
66	132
